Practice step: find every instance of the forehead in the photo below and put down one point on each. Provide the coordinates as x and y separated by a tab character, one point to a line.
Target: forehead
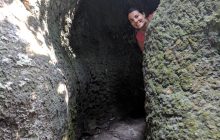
133	13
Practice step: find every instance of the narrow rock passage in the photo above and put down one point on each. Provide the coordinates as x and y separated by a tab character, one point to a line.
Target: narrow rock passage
108	64
127	129
109	68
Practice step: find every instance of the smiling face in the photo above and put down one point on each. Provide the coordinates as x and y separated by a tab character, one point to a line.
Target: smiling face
137	19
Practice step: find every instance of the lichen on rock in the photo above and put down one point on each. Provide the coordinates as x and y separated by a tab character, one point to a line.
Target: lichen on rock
33	66
186	34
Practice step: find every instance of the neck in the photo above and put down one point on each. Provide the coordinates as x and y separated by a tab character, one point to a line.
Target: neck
144	28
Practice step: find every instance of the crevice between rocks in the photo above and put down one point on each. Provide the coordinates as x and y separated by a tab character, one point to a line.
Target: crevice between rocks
108	65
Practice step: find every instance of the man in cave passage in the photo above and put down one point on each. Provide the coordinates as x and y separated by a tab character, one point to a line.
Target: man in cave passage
138	20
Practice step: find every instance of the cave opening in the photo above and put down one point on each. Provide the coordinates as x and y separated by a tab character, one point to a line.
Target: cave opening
108	65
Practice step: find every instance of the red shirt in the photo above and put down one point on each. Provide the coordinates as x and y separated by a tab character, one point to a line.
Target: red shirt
140	36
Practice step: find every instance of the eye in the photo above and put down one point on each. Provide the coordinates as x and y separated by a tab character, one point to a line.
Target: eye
131	20
136	16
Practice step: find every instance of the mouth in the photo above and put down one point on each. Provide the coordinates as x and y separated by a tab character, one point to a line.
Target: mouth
139	23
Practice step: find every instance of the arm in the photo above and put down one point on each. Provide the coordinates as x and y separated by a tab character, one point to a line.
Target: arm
149	18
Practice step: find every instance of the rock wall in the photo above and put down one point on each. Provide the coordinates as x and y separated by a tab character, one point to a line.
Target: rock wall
107	64
36	78
40	75
182	71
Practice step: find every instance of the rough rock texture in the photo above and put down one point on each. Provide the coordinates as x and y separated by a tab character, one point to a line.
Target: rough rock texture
108	65
182	71
35	76
130	129
40	75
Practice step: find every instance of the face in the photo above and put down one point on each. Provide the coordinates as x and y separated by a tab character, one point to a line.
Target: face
137	19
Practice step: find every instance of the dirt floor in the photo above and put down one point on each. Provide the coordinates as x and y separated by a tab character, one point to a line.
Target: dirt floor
128	129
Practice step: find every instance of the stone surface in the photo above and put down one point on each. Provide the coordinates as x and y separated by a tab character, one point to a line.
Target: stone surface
35	75
40	74
42	78
181	68
108	64
128	129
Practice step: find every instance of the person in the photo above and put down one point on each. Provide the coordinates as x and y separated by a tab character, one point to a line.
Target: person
139	22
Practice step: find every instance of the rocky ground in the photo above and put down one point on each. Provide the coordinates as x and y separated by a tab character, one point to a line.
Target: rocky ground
128	129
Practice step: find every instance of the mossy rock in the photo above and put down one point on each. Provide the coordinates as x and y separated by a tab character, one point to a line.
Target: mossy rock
182	71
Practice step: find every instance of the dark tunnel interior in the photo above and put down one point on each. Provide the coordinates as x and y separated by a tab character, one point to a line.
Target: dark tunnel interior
108	63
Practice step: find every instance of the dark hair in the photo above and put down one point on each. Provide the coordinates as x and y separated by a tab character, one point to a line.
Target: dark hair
144	6
134	9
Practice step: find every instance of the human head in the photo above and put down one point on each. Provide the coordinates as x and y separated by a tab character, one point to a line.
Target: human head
136	18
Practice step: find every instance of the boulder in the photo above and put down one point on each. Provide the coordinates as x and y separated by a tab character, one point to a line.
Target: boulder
182	71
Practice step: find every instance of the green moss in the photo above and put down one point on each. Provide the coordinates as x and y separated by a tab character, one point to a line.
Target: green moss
151	85
168	55
186	63
191	68
158	89
192	124
160	56
186	79
193	42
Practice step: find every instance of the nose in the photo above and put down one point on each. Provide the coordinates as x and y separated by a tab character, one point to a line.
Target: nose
135	20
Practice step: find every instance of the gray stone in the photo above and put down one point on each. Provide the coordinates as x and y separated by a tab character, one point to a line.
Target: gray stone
186	32
27	59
